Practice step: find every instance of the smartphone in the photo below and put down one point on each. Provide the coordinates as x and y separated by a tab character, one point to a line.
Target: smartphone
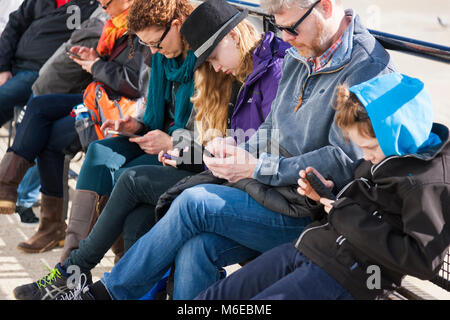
169	157
123	134
322	190
73	54
205	152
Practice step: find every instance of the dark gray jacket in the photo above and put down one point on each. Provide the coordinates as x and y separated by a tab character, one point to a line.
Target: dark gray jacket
60	74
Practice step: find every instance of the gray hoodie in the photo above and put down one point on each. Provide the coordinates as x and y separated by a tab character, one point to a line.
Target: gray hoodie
310	134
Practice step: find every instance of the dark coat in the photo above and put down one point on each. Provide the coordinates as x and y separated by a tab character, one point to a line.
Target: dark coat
395	215
36	30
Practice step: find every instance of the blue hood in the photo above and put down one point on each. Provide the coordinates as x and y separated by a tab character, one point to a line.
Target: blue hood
401	113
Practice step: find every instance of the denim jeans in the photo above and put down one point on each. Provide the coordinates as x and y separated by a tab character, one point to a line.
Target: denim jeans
130	210
228	212
282	273
15	92
106	160
28	189
46	129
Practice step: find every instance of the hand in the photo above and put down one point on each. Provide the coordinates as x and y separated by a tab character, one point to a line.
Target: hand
154	142
4	77
128	125
305	188
217	146
327	203
88	57
234	165
170	162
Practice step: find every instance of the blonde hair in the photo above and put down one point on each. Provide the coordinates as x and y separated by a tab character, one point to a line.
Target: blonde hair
351	113
213	89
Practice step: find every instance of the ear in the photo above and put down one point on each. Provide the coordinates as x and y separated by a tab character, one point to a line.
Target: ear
326	7
176	23
234	35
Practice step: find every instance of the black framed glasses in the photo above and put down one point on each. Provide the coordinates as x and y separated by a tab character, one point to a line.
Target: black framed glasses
106	5
157	44
292	29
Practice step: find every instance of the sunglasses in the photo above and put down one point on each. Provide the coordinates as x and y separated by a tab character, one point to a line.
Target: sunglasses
106	5
157	44
292	29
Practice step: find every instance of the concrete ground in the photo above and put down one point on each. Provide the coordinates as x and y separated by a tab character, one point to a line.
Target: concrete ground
411	18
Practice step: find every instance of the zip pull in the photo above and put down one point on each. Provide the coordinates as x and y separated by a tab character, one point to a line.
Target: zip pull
300	100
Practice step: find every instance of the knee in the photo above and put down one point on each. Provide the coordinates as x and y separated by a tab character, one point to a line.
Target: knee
194	252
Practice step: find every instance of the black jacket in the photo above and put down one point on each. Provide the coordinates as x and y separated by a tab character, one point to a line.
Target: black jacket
36	30
395	216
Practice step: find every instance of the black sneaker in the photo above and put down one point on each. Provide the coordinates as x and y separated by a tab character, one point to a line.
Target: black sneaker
27	215
48	287
80	292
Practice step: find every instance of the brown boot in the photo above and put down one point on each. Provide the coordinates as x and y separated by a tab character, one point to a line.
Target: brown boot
118	249
86	208
51	231
12	170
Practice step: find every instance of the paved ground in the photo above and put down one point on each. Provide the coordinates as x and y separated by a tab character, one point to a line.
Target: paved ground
411	18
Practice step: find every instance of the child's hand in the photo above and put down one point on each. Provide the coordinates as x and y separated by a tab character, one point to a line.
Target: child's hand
327	204
305	188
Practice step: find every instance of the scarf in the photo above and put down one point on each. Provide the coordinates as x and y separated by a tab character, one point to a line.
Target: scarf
60	3
113	30
164	72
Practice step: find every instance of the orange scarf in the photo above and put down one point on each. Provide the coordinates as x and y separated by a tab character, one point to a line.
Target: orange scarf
113	30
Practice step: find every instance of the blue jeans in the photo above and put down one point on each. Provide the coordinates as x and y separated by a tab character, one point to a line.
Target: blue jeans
224	211
15	92
282	273
28	189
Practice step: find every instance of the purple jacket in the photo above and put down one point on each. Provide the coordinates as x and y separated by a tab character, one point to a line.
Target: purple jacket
255	98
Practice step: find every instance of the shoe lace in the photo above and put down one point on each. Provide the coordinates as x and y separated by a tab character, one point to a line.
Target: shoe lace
75	294
49	278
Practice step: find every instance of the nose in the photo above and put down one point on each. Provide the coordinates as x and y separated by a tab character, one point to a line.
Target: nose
154	50
216	67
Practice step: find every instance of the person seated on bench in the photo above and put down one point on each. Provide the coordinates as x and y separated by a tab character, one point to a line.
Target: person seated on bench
391	221
210	226
48	128
33	32
241	66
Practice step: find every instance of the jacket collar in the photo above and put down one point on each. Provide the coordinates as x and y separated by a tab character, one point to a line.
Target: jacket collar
270	47
443	133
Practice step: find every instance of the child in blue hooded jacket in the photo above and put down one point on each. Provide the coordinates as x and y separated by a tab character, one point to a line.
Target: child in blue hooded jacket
392	220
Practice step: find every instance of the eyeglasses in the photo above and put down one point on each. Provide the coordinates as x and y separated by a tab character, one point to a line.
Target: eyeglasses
292	29
106	5
157	44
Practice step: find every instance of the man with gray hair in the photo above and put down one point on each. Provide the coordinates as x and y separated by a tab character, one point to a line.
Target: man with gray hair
210	226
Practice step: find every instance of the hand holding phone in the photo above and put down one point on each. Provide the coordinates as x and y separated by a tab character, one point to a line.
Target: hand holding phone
73	54
169	157
322	190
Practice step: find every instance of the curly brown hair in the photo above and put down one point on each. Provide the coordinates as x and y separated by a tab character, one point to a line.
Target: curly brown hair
351	113
146	13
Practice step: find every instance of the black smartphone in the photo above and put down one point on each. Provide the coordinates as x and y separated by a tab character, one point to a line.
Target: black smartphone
123	134
322	190
73	54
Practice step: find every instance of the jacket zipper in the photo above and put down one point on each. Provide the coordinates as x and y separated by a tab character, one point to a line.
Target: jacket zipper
300	99
304	232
